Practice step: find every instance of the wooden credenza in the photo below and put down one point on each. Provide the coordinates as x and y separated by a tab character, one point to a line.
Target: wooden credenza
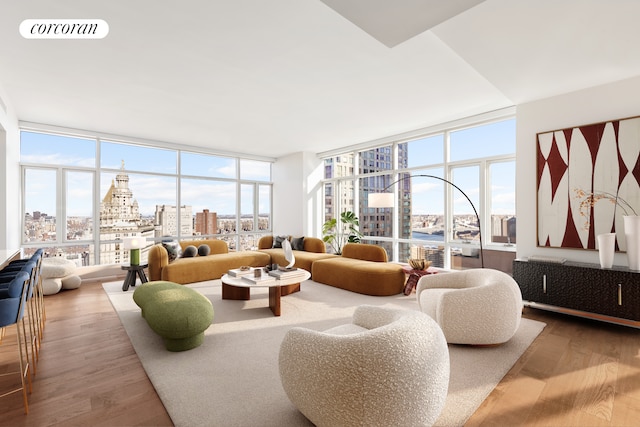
581	289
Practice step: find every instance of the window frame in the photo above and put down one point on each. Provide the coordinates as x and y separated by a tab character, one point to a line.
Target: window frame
484	195
237	239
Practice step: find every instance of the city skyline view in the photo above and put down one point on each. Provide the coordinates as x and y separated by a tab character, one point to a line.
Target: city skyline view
145	166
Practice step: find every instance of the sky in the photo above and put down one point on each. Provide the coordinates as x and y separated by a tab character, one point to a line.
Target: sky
468	144
147	167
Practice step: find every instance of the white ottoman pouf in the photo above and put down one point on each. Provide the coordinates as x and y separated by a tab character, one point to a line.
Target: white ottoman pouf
72	281
58	273
51	286
56	267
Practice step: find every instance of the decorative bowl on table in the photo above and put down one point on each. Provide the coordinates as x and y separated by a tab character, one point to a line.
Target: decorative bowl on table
419	263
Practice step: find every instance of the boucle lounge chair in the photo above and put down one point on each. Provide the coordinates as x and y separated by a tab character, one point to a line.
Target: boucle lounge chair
476	306
389	367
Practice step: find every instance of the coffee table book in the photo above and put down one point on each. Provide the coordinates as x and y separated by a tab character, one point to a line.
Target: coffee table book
281	274
236	272
262	280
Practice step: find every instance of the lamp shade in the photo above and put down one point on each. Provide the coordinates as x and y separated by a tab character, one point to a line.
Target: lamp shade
380	200
132	243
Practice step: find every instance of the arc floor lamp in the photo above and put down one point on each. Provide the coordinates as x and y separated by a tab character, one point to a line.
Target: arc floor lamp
386	200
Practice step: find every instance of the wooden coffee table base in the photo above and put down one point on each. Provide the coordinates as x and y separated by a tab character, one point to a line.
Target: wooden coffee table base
275	292
235	292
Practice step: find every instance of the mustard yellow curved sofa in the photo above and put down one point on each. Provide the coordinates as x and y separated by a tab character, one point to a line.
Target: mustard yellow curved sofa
314	250
201	268
362	268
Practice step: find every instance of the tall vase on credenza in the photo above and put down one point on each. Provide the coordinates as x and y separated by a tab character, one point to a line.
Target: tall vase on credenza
632	237
606	249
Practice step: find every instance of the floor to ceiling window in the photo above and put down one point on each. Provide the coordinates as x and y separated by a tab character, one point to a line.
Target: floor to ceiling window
432	219
83	195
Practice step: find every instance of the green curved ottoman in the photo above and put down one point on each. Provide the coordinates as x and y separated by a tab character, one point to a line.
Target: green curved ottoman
178	314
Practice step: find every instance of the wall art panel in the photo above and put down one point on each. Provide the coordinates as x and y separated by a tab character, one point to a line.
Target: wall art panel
588	178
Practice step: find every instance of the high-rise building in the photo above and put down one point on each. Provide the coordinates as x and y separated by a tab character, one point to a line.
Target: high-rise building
206	222
379	221
373	222
166	220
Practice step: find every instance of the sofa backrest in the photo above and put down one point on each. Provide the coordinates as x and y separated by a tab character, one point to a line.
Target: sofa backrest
265	242
216	246
364	252
311	244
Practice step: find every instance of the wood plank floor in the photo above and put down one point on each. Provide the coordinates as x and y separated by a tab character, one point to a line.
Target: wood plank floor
88	373
577	373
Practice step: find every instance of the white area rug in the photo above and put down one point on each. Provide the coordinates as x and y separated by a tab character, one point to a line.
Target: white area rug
233	380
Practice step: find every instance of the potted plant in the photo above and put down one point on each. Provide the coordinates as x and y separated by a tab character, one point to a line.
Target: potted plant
338	231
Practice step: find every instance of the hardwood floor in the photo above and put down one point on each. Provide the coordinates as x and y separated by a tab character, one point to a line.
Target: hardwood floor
576	373
88	372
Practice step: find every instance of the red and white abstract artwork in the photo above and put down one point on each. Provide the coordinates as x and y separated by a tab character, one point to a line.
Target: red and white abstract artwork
588	178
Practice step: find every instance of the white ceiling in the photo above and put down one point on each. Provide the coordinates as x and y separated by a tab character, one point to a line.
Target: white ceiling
280	76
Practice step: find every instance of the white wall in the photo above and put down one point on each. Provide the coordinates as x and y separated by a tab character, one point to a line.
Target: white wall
297	196
9	177
602	103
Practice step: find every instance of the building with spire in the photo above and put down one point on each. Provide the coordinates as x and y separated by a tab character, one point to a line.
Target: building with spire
119	219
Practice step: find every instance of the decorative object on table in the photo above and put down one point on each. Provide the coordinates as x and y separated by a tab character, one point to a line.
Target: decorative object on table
387	200
606	249
419	263
287	273
632	239
239	272
577	167
288	254
259	278
338	232
133	245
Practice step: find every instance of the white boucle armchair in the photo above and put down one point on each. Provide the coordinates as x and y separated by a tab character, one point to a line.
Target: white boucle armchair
389	367
476	306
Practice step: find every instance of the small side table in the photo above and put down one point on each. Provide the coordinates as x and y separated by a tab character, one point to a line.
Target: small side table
414	276
132	272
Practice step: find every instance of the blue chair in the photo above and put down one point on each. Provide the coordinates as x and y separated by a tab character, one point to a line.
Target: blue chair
37	256
13	299
31	268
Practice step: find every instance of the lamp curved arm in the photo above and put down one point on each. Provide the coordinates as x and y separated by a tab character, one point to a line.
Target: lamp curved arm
384	203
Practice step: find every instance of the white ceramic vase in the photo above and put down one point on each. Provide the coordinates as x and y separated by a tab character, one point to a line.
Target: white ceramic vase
606	249
632	237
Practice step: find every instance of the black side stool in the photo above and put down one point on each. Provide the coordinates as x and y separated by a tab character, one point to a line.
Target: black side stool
132	271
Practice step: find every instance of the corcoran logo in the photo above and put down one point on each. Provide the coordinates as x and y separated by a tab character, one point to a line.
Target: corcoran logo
64	29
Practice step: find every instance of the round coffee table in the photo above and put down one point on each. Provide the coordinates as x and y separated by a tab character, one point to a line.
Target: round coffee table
236	288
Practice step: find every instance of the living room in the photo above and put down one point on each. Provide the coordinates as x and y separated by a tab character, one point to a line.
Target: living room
569	77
